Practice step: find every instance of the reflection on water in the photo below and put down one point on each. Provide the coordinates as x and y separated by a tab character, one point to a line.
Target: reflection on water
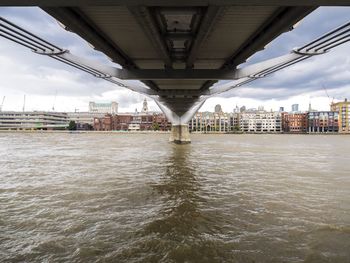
138	198
179	216
181	231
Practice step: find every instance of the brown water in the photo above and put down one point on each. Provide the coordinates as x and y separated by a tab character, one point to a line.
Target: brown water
138	198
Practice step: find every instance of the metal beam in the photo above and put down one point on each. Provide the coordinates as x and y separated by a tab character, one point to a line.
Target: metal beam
180	11
173	3
146	21
319	46
178	36
82	26
277	24
160	74
206	25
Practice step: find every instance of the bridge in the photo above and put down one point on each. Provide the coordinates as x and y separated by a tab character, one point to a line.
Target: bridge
178	49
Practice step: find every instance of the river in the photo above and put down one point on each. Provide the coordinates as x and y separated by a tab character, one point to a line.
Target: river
138	198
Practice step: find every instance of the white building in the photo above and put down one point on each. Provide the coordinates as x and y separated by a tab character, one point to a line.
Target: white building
103	107
33	120
260	121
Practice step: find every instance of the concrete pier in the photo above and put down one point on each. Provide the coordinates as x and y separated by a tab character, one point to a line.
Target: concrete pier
180	134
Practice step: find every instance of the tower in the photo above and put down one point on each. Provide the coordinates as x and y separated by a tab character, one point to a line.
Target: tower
295	107
145	106
218	108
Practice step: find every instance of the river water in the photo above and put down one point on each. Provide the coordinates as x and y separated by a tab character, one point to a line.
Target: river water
138	198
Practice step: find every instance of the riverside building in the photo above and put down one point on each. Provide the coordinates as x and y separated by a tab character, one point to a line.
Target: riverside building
210	122
323	121
260	121
33	120
343	109
137	121
295	122
84	120
132	122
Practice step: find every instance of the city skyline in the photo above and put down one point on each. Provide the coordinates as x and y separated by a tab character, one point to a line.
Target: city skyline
139	107
40	78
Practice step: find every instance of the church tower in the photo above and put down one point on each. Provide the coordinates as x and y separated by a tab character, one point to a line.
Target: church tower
145	106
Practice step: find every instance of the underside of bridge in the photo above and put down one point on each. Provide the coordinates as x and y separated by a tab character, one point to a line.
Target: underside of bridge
176	37
178	49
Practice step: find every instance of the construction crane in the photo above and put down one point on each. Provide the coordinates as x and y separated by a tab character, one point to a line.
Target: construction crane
329	99
54	101
2	103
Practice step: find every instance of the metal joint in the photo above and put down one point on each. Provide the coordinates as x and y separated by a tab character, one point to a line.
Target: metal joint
309	53
257	76
51	53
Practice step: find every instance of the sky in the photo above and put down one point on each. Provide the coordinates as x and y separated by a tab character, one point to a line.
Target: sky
48	84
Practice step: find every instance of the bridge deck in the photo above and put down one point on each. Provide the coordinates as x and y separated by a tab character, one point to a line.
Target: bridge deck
179	37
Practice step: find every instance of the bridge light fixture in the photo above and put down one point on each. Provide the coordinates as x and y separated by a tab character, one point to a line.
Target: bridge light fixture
62	25
267	45
92	46
296	24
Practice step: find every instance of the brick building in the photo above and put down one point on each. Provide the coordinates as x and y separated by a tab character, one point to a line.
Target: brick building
132	122
294	122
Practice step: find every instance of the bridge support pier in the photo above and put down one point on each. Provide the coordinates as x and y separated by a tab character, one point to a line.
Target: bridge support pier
180	134
179	130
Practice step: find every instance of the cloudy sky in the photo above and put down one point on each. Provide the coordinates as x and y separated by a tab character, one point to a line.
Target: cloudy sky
40	78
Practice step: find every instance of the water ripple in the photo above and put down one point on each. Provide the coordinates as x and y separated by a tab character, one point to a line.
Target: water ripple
138	198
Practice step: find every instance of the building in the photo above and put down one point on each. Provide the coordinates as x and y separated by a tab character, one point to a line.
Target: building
109	122
33	120
218	108
137	121
323	121
294	122
121	122
141	121
160	122
217	121
343	109
84	120
242	109
260	122
103	107
295	107
234	123
132	122
236	109
251	120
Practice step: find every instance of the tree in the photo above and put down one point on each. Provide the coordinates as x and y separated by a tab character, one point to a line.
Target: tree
155	126
72	126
